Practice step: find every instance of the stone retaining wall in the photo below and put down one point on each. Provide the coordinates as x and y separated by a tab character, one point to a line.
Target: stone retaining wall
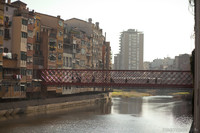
44	105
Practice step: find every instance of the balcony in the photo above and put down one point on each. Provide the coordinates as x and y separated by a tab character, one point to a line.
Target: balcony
6	34
8	77
7	37
9	63
38	53
66	41
74	51
52	35
29	78
88	54
29	53
13	77
8	24
37	40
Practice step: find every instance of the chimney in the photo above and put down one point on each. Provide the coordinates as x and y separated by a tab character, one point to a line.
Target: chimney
8	2
58	16
90	20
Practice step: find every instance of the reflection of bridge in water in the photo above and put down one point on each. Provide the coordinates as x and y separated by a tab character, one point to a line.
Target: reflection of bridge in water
117	78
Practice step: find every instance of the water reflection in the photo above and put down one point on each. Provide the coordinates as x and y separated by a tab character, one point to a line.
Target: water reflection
127	106
155	114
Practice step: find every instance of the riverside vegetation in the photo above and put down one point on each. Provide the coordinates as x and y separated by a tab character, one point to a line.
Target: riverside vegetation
125	93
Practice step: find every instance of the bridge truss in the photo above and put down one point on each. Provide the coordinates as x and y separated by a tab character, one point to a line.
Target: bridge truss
116	78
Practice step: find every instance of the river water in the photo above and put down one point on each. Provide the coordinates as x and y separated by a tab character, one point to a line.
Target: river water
153	114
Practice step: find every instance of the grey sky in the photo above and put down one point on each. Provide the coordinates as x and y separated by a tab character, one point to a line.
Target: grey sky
167	24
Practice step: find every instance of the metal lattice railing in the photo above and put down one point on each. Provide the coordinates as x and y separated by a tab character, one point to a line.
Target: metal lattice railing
117	78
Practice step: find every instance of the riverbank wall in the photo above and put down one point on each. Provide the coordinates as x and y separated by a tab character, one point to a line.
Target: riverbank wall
69	103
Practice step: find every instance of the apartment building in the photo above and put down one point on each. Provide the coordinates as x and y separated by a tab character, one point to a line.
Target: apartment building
81	49
14	55
18	42
182	62
30	41
131	50
54	27
51	44
95	34
117	62
106	56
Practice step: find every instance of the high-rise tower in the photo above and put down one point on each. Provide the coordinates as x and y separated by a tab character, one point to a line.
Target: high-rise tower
131	50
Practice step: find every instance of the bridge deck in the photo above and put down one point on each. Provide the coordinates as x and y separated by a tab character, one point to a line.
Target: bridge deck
117	78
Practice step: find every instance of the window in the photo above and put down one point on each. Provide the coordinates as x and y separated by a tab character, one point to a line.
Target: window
60	45
59	57
82	63
29	46
52	44
77	62
16	88
23	71
30	21
37	47
24	22
6	18
60	23
74	46
29	59
23	88
88	44
29	72
1	32
30	34
24	35
6	33
67	61
70	62
23	56
82	51
60	33
1	69
38	23
1	50
52	57
63	61
59	67
82	42
52	48
37	36
6	8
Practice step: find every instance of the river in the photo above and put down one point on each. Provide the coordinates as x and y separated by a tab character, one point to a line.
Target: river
153	114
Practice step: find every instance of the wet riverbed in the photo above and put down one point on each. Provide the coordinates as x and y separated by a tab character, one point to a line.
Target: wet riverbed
154	114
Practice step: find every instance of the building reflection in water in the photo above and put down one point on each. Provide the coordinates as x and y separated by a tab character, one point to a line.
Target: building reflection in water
128	106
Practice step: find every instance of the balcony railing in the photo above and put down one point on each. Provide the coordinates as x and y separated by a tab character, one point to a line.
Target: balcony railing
9	63
8	24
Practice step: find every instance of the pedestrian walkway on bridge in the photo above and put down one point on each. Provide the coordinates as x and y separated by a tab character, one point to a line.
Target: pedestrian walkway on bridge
117	78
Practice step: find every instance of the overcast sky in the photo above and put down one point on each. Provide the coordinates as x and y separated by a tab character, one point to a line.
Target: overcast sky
167	24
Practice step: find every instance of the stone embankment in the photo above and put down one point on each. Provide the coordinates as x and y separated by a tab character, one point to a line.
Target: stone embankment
69	103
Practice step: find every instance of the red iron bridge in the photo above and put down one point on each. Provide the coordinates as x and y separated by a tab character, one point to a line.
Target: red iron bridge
116	78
